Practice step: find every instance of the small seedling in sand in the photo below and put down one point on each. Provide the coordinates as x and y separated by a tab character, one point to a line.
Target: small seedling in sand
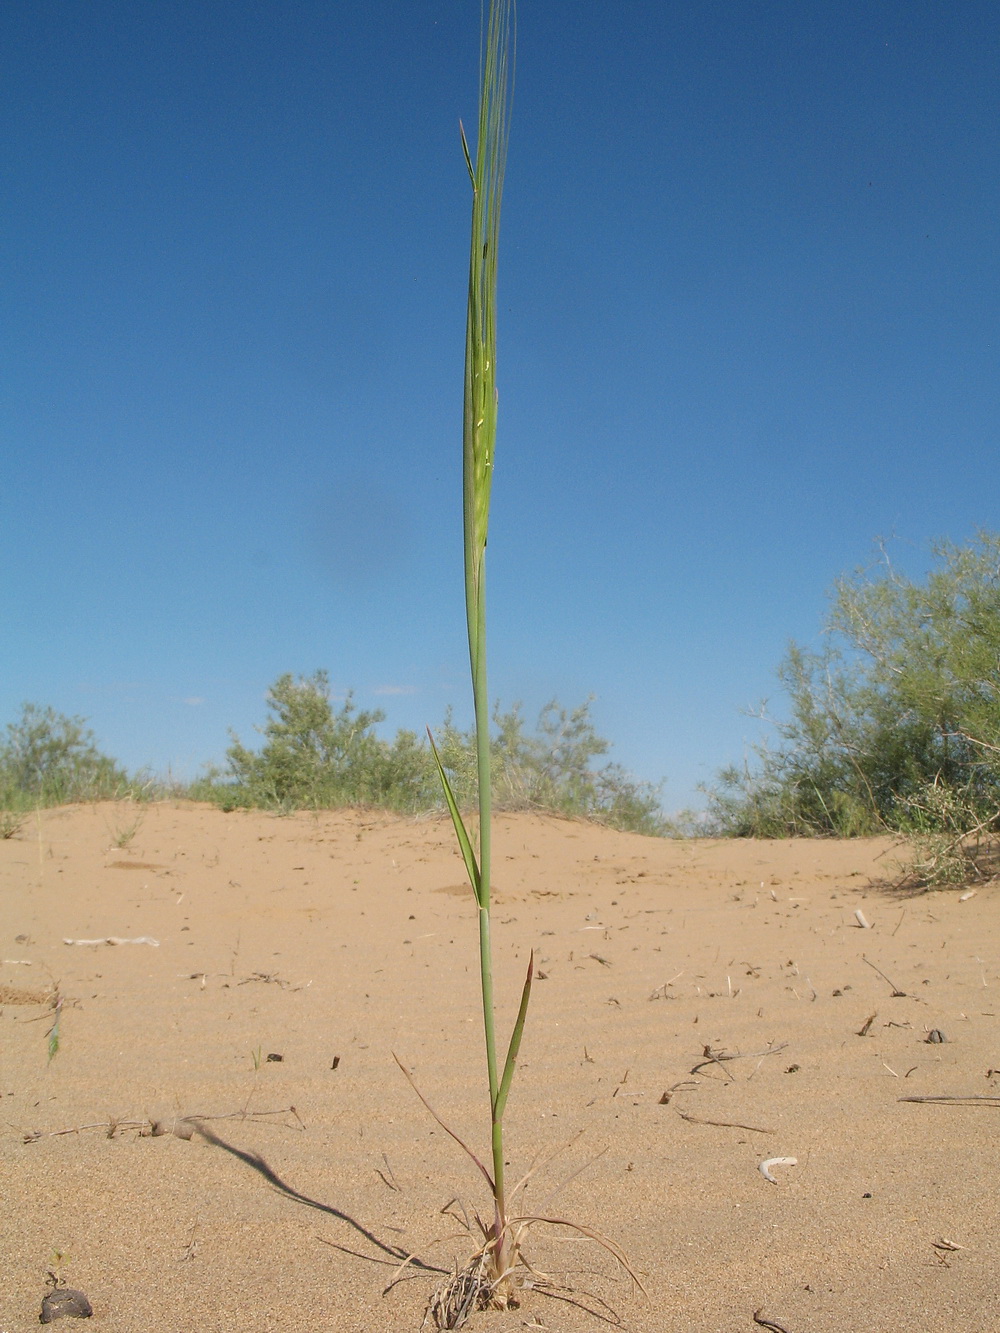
60	1301
53	1032
57	1261
122	834
495	1273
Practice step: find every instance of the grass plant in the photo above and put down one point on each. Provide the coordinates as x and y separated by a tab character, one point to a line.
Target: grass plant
497	1270
320	756
10	824
499	1256
53	1034
122	829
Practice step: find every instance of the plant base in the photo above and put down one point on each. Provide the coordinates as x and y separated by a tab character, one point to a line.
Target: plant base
471	1288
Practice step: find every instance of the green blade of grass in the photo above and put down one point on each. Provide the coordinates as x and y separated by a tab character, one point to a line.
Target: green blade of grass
515	1043
464	841
468	155
53	1032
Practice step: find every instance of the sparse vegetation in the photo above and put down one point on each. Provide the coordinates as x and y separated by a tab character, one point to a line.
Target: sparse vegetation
53	1035
47	758
316	755
10	824
895	724
125	824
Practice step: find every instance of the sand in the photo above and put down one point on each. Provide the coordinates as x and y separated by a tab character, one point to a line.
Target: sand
332	941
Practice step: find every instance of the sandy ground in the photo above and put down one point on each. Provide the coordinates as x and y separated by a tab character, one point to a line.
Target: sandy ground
332	941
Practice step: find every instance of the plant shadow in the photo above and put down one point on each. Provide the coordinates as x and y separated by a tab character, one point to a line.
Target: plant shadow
390	1254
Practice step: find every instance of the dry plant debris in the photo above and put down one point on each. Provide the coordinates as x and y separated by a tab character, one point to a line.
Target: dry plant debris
758	1318
182	1127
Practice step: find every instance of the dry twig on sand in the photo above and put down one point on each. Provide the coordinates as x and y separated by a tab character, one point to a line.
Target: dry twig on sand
970	1099
182	1127
722	1124
717	1057
759	1319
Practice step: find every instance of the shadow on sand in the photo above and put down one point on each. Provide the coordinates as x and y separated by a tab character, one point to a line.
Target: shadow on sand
395	1255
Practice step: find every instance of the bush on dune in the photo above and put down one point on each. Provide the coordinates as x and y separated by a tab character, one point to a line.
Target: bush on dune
47	758
894	725
552	769
318	756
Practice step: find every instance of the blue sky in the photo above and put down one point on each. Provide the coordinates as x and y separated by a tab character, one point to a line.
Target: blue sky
749	289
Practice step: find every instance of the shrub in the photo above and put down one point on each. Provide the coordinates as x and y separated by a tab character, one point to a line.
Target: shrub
317	756
312	755
551	769
895	724
47	758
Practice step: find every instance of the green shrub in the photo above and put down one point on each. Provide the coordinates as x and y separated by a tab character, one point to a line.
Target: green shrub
895	724
311	754
47	758
317	756
551	769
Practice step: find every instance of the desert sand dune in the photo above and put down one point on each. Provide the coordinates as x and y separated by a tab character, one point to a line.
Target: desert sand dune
700	1010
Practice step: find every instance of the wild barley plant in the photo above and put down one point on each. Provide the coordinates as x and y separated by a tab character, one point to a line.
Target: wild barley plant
479	441
492	1277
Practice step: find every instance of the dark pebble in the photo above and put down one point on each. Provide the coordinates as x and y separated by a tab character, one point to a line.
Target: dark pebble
65	1303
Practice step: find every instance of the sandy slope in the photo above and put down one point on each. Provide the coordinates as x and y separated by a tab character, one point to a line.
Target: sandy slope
341	938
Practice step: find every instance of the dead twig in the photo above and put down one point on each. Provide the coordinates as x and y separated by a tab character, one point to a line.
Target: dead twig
110	1127
661	991
714	1058
897	994
257	1117
971	1099
389	1179
598	1309
191	1249
685	1085
722	1124
717	1057
758	1318
374	1259
183	1127
450	1132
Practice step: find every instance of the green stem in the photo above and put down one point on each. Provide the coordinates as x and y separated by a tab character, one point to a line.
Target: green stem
477	649
479	438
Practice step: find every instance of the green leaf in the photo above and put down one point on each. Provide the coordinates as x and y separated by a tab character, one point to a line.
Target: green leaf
515	1043
468	155
464	841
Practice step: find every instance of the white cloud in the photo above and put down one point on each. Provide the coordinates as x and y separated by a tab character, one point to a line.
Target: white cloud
396	689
